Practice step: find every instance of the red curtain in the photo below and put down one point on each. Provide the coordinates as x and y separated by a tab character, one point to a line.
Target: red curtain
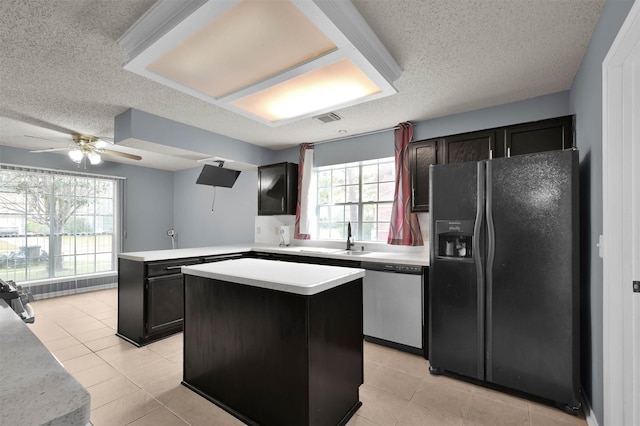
405	228
301	231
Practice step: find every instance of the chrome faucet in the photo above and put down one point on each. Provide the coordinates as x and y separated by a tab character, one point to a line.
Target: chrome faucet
349	239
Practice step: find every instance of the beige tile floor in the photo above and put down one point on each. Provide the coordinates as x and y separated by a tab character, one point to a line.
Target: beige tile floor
141	386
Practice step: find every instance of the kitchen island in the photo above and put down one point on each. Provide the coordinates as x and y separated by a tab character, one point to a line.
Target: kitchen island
275	343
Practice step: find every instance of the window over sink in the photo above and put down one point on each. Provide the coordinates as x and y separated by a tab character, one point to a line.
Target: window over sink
360	193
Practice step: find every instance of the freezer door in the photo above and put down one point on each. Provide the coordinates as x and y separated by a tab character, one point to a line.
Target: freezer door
456	311
532	275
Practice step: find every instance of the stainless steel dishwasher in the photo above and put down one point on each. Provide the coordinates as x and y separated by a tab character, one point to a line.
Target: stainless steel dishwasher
393	308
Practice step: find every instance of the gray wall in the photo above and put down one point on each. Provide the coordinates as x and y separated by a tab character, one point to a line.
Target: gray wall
141	125
149	195
234	210
586	102
533	109
158	200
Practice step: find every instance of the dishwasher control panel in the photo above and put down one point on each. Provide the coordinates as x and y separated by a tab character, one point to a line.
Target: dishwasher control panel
409	269
391	267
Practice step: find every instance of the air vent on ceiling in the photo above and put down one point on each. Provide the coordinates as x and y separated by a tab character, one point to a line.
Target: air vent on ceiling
328	118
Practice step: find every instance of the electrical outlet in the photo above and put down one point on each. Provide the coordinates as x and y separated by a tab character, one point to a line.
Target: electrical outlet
258	230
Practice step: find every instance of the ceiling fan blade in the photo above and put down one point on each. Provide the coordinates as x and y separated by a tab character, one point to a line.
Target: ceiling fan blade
38	137
49	150
15	115
120	154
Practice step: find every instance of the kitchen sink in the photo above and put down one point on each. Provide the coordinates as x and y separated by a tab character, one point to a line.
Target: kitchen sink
317	250
353	252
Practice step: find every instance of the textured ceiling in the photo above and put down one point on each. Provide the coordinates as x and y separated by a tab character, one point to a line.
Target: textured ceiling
61	68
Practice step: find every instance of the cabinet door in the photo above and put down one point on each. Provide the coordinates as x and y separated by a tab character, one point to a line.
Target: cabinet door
422	154
277	189
165	303
545	135
467	147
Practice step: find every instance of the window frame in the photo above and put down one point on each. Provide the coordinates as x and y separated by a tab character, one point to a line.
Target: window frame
47	236
358	225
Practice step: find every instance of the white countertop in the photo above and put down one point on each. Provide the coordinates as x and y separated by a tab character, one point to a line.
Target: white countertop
419	258
155	255
413	258
35	388
298	278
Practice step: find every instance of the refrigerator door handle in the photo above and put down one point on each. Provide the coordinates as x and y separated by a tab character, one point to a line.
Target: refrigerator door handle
491	251
477	258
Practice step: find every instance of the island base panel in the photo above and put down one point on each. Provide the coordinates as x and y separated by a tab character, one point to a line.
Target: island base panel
271	357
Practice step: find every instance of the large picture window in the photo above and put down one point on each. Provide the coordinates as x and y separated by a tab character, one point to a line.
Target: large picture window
56	224
359	193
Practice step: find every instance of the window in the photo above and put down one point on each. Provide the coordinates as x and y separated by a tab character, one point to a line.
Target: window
360	193
56	224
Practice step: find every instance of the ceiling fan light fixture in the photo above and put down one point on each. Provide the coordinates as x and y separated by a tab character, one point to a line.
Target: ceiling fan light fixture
76	155
94	158
101	144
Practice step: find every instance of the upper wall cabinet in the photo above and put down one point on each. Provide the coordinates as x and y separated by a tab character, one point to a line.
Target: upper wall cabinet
467	147
545	135
421	155
277	189
525	138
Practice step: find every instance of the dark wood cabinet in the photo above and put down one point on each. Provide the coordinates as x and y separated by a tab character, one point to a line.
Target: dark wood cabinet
277	189
422	154
538	136
526	138
474	146
165	302
151	297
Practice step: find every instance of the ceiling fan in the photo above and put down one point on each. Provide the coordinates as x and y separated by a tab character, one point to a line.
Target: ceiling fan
87	147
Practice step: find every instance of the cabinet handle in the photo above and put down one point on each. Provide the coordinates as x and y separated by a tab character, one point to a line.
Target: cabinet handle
490	154
168	268
282	204
508	152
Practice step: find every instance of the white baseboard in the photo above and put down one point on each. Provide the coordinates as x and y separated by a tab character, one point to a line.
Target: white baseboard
588	413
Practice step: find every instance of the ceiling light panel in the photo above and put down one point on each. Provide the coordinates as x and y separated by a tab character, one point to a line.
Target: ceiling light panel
249	42
234	53
326	87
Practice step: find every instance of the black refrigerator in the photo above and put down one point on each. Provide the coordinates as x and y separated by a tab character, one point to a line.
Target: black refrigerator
504	273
